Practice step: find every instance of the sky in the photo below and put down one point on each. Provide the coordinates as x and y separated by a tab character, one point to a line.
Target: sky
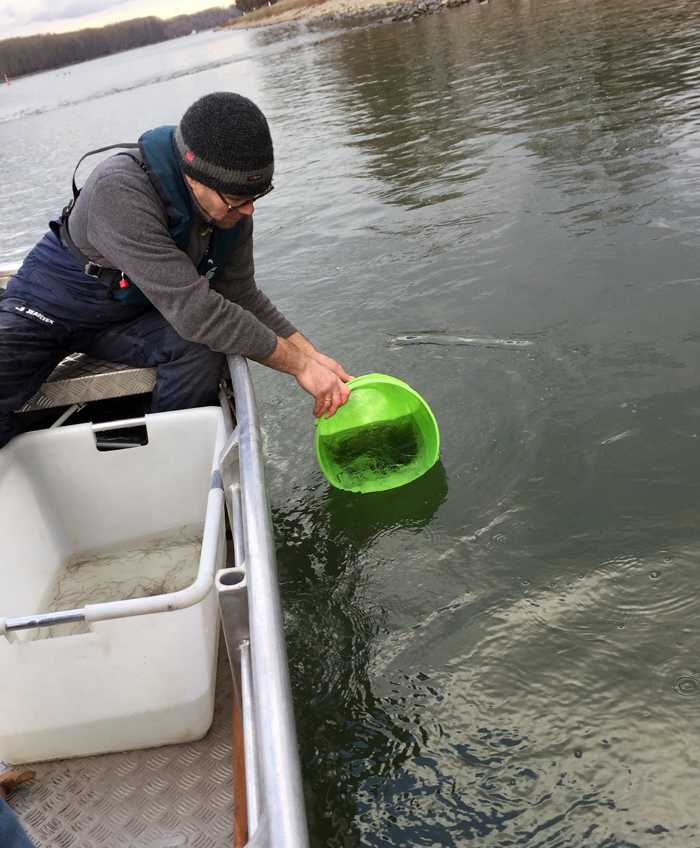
27	17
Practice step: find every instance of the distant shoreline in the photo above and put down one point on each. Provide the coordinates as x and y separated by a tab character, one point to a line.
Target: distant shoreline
343	11
21	56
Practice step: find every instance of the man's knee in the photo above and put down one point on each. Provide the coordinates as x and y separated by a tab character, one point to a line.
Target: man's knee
168	348
203	356
189	379
199	363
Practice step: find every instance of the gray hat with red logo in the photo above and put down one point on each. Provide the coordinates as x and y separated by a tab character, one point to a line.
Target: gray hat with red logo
223	141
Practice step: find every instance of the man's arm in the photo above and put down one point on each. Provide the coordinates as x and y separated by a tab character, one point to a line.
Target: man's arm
304	345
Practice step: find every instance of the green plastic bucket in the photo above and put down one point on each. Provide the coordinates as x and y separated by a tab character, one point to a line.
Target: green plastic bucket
384	436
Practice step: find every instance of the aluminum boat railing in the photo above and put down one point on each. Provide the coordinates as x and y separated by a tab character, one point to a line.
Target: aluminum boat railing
251	615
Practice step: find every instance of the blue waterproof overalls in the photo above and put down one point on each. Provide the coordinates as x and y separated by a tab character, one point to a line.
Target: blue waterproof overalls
53	308
11	833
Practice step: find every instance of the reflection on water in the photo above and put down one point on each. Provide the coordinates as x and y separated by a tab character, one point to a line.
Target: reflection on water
503	652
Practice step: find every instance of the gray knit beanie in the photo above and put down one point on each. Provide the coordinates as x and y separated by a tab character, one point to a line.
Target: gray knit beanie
223	141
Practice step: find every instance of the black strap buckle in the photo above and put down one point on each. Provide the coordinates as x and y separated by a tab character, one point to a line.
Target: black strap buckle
92	269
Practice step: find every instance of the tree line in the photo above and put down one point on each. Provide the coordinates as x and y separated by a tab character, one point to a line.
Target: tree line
33	53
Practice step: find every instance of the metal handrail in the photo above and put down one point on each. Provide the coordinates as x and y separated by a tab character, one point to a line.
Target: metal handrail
277	818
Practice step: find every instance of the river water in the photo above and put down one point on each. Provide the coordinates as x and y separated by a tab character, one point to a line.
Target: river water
506	651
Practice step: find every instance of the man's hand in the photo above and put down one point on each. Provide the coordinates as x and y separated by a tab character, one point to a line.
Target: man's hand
304	345
328	390
319	375
331	365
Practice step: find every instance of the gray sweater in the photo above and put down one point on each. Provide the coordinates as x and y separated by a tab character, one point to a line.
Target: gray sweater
119	221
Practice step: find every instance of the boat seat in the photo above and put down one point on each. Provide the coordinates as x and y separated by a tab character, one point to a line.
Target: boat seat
80	379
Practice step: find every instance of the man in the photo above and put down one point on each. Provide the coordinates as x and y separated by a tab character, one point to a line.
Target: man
151	264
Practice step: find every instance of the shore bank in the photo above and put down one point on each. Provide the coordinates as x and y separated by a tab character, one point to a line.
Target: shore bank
346	11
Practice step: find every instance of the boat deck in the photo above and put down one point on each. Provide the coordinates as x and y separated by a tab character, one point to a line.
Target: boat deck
168	797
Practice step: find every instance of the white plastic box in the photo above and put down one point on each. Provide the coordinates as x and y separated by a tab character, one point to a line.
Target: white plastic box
135	677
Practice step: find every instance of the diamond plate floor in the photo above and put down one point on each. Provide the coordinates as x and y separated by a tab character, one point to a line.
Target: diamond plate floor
169	797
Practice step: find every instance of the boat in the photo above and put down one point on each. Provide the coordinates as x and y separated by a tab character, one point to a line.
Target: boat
241	783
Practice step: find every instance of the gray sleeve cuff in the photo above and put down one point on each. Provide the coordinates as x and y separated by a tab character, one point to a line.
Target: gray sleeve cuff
262	344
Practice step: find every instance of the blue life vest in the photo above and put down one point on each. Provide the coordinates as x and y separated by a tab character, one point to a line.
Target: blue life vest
158	151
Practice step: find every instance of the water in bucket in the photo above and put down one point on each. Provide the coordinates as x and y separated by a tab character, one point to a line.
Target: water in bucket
376	450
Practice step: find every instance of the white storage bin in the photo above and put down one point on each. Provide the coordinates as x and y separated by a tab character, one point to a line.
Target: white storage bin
92	529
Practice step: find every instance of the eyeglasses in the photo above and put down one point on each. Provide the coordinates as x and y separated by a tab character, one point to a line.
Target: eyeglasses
253	197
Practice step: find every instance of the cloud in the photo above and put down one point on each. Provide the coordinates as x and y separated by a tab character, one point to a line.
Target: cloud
52	10
22	12
27	17
8	13
56	11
